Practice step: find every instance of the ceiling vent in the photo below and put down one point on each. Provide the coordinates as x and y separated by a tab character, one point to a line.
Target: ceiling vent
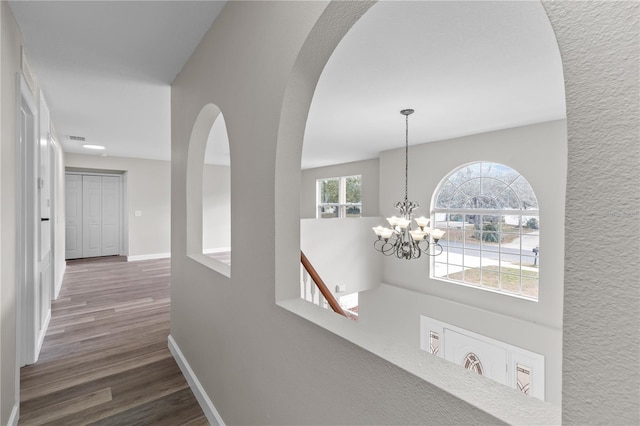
77	138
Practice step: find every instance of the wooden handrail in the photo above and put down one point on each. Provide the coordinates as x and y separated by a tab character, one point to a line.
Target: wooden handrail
321	285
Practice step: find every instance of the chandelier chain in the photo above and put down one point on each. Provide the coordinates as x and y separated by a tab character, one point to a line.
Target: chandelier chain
406	159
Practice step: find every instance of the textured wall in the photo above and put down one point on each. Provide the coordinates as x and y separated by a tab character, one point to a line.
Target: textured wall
599	44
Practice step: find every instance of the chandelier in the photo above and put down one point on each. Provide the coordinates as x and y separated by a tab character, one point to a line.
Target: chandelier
400	239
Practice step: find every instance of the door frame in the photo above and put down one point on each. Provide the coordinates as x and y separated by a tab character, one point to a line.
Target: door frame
27	324
124	222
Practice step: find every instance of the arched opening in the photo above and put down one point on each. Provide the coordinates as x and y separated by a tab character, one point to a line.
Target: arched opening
208	197
478	98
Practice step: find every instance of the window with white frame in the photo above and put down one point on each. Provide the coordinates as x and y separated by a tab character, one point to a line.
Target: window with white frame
339	197
490	214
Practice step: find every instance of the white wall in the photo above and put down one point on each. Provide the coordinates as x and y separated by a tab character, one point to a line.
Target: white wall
370	176
10	64
260	364
538	152
148	191
59	228
341	250
216	207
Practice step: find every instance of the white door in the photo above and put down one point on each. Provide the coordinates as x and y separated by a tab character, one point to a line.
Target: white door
91	216
73	213
110	215
44	216
473	354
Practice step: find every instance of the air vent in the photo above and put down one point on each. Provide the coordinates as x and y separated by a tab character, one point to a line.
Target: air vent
77	138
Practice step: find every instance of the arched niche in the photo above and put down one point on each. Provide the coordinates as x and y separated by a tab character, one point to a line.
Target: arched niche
208	163
327	33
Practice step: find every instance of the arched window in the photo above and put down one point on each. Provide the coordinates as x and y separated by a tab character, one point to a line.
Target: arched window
490	214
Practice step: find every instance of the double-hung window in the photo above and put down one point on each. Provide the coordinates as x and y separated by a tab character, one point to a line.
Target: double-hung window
339	197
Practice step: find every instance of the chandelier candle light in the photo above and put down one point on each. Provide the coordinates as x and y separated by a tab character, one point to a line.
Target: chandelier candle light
400	239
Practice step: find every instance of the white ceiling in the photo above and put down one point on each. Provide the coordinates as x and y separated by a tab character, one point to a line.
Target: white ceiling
465	67
106	67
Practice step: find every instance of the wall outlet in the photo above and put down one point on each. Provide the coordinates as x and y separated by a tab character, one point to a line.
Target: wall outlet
341	288
137	213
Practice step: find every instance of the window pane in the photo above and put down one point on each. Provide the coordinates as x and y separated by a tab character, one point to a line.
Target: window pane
492	187
354	211
499	171
445	195
525	192
510	282
329	189
354	190
471	187
490	277
480	202
466	173
458	200
508	200
329	211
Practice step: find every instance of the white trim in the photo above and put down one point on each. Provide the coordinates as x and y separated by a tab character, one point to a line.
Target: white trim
15	415
27	72
148	257
216	250
515	355
43	333
59	280
203	399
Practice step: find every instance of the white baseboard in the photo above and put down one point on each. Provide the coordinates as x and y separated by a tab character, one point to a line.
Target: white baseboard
203	399
216	250
148	257
15	413
42	335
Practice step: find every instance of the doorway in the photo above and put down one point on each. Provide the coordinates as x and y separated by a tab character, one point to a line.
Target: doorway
94	215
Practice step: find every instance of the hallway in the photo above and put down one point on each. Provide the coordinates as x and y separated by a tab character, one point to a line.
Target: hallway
105	358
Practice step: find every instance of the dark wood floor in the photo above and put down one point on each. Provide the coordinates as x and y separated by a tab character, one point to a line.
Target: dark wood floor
105	359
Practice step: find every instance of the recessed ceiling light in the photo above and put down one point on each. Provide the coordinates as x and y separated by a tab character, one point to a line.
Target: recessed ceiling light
93	146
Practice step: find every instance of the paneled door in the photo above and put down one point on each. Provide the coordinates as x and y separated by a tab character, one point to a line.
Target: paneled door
110	215
93	216
73	220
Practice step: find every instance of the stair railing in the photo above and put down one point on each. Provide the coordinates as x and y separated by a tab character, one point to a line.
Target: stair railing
329	297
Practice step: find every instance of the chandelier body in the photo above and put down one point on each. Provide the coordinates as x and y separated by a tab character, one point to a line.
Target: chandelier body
400	240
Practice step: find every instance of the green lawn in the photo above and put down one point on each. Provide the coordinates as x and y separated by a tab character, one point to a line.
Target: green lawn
494	277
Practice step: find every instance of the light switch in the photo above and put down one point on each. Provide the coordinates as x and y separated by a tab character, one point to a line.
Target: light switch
138	213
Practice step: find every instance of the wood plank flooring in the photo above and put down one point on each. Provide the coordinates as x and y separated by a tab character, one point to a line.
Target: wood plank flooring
105	360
